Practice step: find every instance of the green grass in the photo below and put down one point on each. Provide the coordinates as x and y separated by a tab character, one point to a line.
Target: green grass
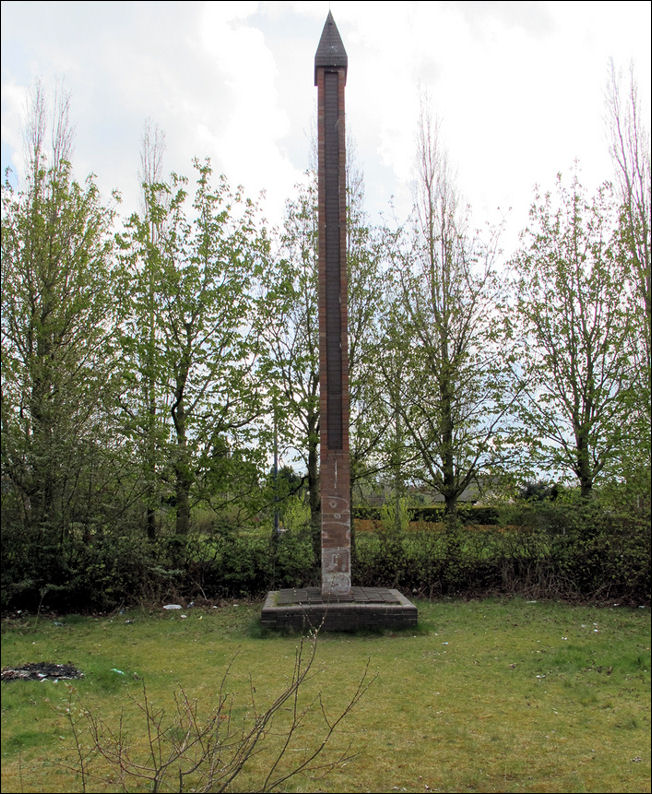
492	695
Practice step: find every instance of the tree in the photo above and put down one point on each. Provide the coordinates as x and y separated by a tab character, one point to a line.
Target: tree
366	291
291	334
574	363
144	417
58	319
630	149
201	264
453	396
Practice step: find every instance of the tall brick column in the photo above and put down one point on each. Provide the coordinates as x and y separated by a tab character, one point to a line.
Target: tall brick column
330	78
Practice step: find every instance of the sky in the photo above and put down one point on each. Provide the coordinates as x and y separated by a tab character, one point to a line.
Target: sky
518	89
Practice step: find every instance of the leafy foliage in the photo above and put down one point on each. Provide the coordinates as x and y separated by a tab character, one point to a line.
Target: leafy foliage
60	460
191	336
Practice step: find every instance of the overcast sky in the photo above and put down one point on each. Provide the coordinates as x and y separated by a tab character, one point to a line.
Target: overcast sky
519	89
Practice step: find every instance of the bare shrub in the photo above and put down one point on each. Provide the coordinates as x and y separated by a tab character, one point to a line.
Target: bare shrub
185	751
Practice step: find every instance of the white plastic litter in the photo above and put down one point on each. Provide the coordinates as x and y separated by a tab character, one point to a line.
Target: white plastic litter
172	606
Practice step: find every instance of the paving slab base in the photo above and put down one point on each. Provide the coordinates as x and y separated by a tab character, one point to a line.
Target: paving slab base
364	608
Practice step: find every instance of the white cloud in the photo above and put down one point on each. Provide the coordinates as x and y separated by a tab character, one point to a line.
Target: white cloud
518	87
255	123
14	105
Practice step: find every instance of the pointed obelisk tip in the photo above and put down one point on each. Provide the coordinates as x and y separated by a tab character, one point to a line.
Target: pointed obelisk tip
330	52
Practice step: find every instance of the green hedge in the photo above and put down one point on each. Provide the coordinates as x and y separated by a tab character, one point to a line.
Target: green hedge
244	566
541	550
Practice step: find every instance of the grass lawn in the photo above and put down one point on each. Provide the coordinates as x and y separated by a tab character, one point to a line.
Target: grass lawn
492	695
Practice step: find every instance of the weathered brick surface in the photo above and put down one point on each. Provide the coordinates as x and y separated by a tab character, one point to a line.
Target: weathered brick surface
333	334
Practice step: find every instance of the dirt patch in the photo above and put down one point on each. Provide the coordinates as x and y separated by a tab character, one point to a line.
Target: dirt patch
38	671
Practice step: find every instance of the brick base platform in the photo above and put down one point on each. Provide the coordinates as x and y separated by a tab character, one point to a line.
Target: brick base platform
363	608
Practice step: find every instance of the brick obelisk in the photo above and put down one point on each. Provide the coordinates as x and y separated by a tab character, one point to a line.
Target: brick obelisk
336	606
330	78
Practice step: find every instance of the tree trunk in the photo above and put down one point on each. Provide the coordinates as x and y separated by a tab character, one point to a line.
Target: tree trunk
449	489
150	469
181	469
43	432
398	480
150	399
584	473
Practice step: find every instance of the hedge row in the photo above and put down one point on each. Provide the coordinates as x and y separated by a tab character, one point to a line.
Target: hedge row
554	553
610	563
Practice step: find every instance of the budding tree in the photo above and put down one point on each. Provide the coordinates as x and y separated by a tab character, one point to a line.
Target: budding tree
575	363
58	316
453	399
630	149
192	335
